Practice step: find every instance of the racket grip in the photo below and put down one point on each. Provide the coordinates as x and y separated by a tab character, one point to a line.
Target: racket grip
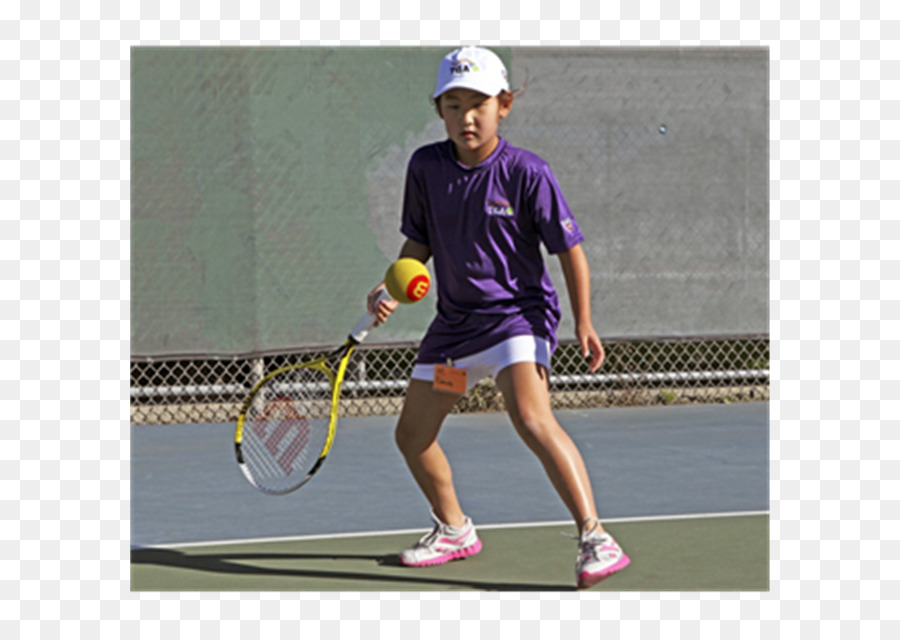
361	330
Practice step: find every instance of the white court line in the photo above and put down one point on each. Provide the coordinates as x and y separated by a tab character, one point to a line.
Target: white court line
520	525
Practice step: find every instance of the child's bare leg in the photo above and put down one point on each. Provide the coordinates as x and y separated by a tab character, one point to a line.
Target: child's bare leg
416	435
526	394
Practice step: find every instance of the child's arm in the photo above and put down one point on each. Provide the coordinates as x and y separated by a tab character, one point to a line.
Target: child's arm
417	250
410	249
578	282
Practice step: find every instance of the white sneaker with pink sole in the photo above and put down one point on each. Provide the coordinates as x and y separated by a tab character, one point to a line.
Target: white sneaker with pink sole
443	544
599	556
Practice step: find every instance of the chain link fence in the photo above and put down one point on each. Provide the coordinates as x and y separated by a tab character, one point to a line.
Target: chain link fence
636	373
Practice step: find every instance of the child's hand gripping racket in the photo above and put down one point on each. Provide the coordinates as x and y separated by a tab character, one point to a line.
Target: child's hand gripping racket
287	424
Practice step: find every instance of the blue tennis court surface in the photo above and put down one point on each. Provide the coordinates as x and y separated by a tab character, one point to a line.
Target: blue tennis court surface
643	461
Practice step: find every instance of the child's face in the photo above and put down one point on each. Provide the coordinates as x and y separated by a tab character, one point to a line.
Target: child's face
472	120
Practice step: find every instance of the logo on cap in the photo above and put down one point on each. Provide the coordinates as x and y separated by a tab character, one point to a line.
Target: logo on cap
463	65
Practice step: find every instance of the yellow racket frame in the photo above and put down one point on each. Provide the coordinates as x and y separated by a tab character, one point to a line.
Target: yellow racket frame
336	380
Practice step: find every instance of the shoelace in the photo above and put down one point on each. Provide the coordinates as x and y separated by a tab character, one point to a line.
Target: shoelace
588	543
590	547
429	538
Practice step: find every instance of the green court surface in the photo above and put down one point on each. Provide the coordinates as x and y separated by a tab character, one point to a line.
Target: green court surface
713	553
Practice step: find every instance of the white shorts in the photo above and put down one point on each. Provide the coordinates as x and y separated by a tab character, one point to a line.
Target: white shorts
490	362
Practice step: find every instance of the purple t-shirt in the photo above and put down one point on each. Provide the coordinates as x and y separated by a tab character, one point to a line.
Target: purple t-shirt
484	225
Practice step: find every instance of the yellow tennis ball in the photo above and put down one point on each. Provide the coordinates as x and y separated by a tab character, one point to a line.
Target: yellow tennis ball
407	280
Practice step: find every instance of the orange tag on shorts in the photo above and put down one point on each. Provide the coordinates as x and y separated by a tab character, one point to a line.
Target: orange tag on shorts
449	380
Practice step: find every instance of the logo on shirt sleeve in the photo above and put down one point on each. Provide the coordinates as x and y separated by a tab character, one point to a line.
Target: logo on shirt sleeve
569	225
499	208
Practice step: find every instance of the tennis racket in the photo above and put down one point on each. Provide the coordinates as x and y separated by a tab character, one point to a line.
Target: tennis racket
287	424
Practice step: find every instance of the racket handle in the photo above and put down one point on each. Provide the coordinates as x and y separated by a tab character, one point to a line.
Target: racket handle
361	330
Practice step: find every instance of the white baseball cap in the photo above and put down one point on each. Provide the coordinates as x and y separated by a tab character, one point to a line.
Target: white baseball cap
472	68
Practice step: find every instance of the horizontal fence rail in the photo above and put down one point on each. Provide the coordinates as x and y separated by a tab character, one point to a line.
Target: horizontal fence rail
636	372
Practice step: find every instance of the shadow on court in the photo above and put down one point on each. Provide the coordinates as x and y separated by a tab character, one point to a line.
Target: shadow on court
249	565
690	554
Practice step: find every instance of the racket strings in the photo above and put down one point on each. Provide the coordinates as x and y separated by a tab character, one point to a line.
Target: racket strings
286	427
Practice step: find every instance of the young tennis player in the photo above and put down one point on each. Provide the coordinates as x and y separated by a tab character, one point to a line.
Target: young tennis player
481	207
